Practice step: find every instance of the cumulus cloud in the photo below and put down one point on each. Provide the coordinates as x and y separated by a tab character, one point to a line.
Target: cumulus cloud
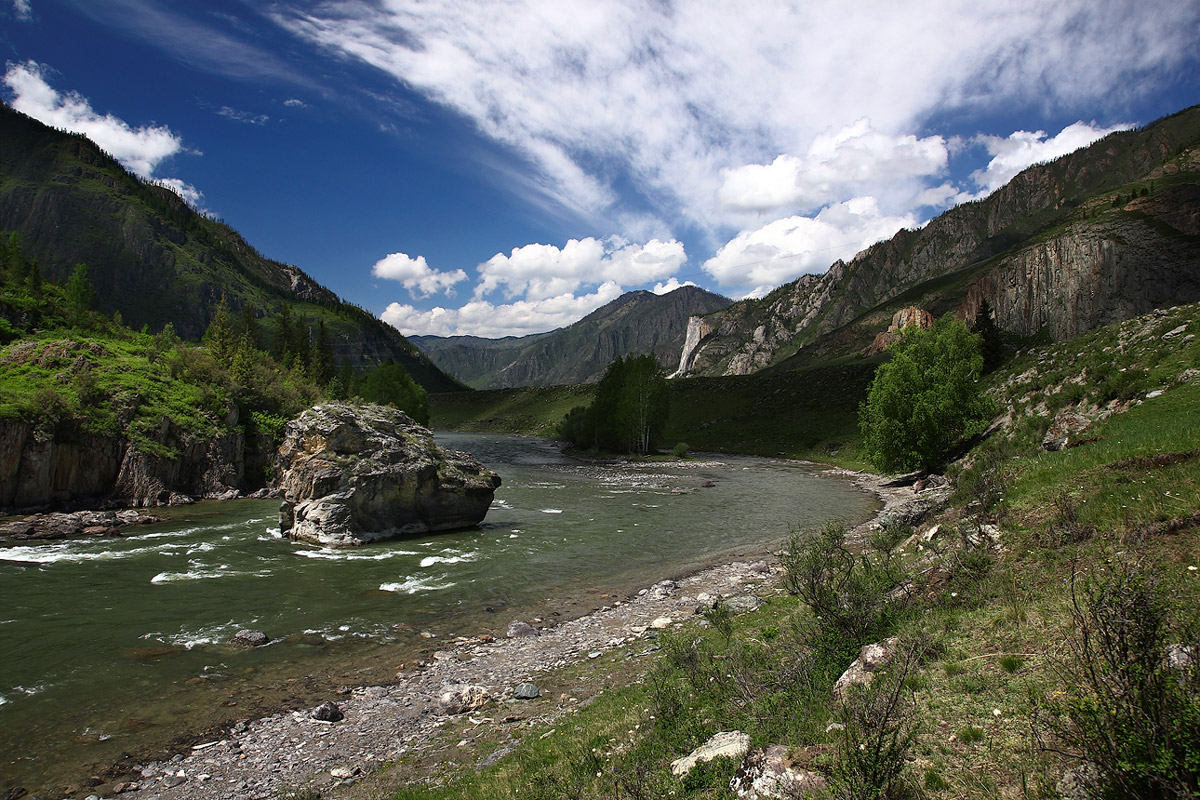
681	101
670	285
542	271
141	150
787	248
1023	149
837	164
293	102
416	275
482	318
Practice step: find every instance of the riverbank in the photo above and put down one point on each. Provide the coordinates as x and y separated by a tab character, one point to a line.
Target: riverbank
402	727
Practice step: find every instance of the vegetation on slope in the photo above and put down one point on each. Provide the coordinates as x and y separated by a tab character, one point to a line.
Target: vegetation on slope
66	367
1044	617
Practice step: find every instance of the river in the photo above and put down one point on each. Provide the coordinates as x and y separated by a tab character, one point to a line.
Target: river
116	649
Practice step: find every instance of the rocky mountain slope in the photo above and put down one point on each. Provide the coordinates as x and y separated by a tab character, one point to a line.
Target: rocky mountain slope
155	259
636	323
1101	235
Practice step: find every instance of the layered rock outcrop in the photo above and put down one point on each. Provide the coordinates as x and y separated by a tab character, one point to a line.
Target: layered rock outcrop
62	466
355	474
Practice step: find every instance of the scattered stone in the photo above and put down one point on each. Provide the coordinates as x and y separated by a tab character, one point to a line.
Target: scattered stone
527	691
520	630
594	654
1171	334
342	773
770	773
250	638
461	698
661	623
731	744
327	712
663	590
127	786
171	781
871	658
761	567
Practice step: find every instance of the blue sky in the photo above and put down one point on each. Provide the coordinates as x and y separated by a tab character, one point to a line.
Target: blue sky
497	168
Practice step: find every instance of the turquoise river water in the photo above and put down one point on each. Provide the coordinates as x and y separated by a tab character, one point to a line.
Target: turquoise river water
116	649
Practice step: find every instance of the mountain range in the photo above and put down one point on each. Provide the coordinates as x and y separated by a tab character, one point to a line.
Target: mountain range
1103	234
636	323
156	260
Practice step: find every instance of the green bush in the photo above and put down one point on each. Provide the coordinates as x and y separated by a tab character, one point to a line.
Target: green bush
926	399
1130	703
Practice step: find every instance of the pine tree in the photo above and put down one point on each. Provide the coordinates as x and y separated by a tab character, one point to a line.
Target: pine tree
321	360
79	294
248	327
285	335
221	337
992	347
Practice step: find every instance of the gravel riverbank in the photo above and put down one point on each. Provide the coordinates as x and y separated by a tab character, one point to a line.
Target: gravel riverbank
404	720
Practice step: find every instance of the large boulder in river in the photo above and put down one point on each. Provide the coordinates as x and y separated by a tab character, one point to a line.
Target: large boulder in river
359	473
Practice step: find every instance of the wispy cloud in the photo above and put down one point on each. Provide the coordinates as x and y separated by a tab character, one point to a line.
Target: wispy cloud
246	117
23	9
673	97
142	150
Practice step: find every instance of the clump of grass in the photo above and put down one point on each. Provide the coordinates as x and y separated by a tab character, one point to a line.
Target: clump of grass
970	734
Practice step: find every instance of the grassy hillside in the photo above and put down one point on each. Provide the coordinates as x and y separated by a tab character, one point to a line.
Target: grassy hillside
1035	611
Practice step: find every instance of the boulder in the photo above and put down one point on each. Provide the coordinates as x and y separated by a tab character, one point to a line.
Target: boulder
352	474
249	638
770	773
527	691
871	658
459	698
520	630
327	712
740	604
727	744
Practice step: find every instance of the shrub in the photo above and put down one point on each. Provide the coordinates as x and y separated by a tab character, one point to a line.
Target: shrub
680	450
847	592
1131	703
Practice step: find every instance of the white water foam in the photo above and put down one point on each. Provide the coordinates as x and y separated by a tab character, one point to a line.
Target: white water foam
458	558
551	510
414	585
343	555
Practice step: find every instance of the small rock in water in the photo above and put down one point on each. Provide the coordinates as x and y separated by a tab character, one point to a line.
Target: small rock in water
327	712
520	630
249	638
527	691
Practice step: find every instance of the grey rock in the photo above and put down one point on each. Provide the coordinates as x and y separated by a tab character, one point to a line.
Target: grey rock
520	630
663	590
250	638
356	474
527	691
742	603
731	744
770	773
461	698
1064	427
1079	783
327	712
871	658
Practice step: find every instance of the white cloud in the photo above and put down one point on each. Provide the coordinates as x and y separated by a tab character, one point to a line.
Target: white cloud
836	165
141	150
541	271
1024	149
665	97
481	318
416	275
295	103
783	250
23	10
671	285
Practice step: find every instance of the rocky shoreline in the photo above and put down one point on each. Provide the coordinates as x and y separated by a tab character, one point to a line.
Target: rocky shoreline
339	746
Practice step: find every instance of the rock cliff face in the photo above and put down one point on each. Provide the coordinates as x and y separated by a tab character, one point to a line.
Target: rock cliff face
1104	234
67	468
356	474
